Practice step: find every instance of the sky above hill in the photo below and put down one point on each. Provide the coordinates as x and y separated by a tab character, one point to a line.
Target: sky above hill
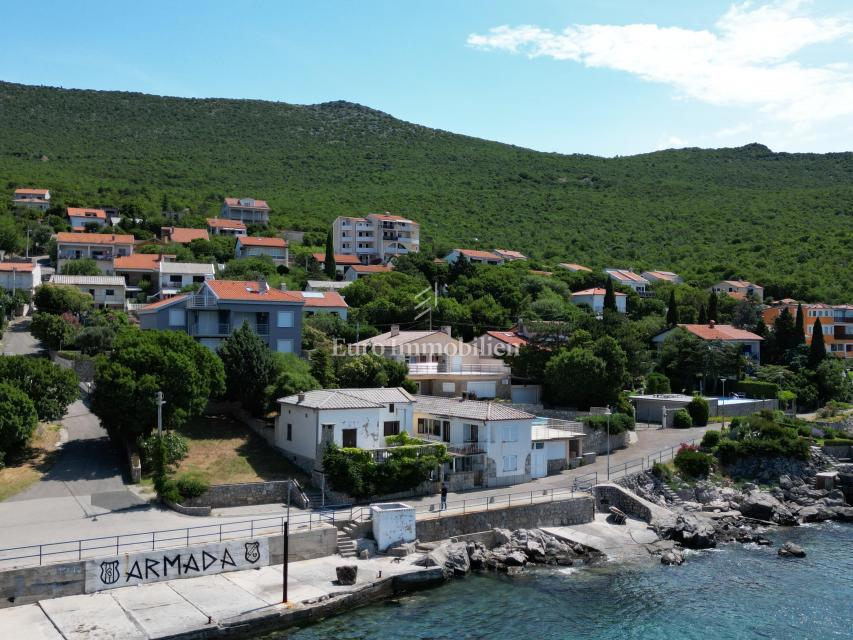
606	77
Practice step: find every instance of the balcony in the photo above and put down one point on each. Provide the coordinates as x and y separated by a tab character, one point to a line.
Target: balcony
468	448
202	302
428	368
262	329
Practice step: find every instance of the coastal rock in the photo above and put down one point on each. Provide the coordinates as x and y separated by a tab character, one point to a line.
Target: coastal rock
515	559
672	557
791	550
689	530
347	574
815	513
458	562
759	505
502	537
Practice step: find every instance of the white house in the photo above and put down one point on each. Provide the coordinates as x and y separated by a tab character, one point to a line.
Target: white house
361	418
377	237
662	276
173	276
275	248
323	302
342	261
80	217
106	291
246	210
628	278
740	289
32	198
327	285
747	342
489	440
499	343
20	275
595	298
476	256
357	271
223	227
103	248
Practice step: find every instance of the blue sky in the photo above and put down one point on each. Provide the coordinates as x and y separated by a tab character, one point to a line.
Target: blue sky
605	77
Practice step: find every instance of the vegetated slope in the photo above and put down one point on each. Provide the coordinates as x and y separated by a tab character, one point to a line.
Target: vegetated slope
783	220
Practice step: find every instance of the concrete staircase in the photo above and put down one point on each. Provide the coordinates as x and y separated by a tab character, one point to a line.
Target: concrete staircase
346	545
671	496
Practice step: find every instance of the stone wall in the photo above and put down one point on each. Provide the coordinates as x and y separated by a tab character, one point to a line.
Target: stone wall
31	584
610	494
245	494
529	516
837	451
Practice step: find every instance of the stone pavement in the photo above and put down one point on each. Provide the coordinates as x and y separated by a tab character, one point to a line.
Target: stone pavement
166	609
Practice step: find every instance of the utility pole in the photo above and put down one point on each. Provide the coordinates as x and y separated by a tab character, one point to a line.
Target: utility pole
286	532
28	241
160	403
723	380
608	442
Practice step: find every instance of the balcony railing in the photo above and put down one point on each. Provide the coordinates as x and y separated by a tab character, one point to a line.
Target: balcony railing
262	329
425	368
202	302
469	448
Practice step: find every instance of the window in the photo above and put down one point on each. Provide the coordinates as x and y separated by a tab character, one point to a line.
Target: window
422	426
448	387
176	279
198	278
537	445
510	463
350	438
470	433
177	317
289	431
284	346
110	292
510	433
392	428
284	320
391	408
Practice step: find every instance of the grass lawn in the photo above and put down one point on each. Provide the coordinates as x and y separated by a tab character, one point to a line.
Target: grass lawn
225	451
31	464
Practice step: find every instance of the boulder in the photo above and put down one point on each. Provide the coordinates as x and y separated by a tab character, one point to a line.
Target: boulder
672	557
502	537
515	559
791	550
759	505
346	574
458	562
689	530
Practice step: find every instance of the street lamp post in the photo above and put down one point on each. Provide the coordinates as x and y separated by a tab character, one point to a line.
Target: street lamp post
723	405
607	413
160	403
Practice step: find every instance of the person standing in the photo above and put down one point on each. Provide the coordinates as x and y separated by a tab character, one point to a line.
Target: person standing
443	505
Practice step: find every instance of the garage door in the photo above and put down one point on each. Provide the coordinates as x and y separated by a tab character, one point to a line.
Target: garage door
482	389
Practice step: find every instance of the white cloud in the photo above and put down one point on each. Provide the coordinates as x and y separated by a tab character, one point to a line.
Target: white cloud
747	60
670	142
734	131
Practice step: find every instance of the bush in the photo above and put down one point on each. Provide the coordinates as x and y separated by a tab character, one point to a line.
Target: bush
757	389
661	471
50	387
18	418
657	383
174	444
693	463
191	485
699	411
711	439
619	423
55	331
681	419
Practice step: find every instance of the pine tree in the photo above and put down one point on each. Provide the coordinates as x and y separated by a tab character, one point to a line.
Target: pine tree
712	307
703	315
248	368
322	368
784	332
817	351
799	329
672	310
330	267
609	296
760	328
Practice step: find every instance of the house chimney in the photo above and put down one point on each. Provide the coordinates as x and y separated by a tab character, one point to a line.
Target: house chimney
712	323
301	397
263	287
446	329
395	330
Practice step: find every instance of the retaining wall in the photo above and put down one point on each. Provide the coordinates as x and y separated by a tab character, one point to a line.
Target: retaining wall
529	516
31	584
610	494
244	495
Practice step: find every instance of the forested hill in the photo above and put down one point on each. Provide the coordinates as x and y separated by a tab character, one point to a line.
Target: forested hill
783	220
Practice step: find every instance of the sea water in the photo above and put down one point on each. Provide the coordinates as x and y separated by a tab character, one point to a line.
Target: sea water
733	592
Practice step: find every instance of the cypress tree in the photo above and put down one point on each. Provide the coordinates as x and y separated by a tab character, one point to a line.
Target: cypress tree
330	268
609	296
760	328
703	315
712	307
817	351
799	329
783	329
672	310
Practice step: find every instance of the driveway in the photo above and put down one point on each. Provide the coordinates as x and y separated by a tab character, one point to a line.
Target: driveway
18	341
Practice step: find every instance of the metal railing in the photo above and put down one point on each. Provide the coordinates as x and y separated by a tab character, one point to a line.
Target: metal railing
502	501
425	368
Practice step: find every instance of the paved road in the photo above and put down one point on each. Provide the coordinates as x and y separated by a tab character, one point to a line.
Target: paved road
18	341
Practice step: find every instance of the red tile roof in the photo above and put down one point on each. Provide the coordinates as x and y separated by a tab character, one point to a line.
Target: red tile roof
597	291
87	213
251	241
183	235
162	303
222	223
388	216
625	275
235	202
370	268
139	261
322	299
719	332
482	255
508	337
510	254
94	238
16	266
340	258
248	290
35	192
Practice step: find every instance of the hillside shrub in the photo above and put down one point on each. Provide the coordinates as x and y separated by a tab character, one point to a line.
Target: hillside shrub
693	463
657	383
191	485
619	423
662	471
757	389
711	439
699	411
51	388
681	419
174	444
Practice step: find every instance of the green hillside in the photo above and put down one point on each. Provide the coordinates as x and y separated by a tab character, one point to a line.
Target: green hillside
783	220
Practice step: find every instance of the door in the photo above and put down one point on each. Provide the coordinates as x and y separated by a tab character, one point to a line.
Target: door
538	461
482	389
350	438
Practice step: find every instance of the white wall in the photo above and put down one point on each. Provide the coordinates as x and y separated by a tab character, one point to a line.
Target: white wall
497	448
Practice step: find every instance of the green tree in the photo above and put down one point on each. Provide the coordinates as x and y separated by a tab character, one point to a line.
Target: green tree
799	328
144	362
57	332
249	368
784	334
699	410
817	349
567	377
657	383
615	361
703	315
712	307
291	375
59	299
11	239
322	368
329	265
50	387
672	310
372	370
832	382
81	267
609	296
18	419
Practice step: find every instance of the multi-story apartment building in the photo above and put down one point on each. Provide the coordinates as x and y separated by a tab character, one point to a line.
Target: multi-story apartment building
32	198
101	247
836	323
221	306
246	210
377	237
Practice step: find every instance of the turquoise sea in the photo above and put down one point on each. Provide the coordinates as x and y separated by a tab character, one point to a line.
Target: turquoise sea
729	593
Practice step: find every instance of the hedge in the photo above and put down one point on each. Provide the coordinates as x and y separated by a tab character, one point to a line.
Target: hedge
681	419
693	463
756	389
619	423
837	442
699	411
